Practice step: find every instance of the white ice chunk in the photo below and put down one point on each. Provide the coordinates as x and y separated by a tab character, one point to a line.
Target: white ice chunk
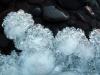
85	49
16	23
95	40
8	64
36	38
67	40
40	63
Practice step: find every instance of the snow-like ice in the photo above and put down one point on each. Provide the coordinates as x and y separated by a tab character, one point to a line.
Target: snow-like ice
16	23
68	53
36	37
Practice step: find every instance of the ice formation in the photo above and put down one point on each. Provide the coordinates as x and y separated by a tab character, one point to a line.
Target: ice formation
69	53
16	23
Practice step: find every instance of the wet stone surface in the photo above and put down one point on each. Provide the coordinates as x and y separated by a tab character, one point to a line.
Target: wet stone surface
35	1
50	13
72	4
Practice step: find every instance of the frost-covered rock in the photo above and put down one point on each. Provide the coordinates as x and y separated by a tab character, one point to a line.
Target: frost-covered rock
16	23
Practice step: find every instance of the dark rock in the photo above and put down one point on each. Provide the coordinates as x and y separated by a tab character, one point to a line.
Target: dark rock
97	14
6	2
8	49
95	5
22	5
50	13
98	2
36	12
35	1
84	16
4	42
72	4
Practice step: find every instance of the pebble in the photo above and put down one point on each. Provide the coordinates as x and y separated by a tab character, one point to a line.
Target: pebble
52	14
71	4
36	12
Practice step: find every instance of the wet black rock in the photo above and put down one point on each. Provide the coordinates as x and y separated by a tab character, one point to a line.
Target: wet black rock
6	2
35	1
98	1
4	42
22	5
52	14
72	4
97	15
36	12
95	6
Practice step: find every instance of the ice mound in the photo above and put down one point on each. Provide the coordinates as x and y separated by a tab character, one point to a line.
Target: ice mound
8	64
68	53
16	23
36	38
40	63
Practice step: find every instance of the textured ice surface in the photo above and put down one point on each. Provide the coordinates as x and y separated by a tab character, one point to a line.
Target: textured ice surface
69	53
35	38
41	63
8	64
16	23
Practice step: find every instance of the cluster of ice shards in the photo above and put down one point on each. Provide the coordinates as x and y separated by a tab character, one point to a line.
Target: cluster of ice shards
36	38
8	64
69	53
16	23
